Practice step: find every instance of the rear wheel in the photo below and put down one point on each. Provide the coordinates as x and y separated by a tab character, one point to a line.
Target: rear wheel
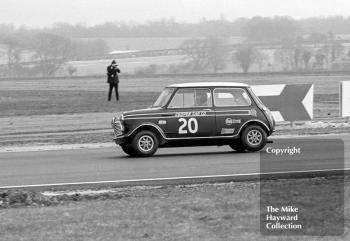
237	146
144	144
254	138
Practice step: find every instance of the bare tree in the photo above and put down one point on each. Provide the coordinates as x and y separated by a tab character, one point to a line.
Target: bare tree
71	69
337	50
290	54
13	52
297	57
245	55
330	48
317	38
320	58
281	56
306	56
261	59
207	53
52	51
195	50
216	53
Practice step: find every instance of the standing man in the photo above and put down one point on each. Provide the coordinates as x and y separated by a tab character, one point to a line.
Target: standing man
113	79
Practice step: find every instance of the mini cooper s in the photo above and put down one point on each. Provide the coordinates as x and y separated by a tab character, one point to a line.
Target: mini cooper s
196	114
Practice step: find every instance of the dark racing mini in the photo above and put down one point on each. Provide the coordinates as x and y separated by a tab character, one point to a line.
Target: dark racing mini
196	114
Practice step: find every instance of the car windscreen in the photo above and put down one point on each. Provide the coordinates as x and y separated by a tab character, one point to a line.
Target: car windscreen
164	97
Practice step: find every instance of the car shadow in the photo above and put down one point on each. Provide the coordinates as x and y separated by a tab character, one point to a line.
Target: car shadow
157	156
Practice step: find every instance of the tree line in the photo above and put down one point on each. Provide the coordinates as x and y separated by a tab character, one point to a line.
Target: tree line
40	53
298	45
213	54
256	28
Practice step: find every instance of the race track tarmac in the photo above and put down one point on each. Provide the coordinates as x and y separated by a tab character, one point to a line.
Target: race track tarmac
109	164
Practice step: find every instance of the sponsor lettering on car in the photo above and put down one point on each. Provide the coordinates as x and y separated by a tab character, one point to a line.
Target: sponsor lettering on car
230	121
191	113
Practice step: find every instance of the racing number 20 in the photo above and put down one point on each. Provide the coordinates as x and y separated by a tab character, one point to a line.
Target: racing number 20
191	124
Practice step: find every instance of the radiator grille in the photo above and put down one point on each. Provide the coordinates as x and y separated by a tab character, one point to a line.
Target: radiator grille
118	128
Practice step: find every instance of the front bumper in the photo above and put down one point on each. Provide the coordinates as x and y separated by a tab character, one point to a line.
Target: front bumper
119	140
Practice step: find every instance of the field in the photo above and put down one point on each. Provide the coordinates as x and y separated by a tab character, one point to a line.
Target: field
130	65
147	44
197	212
118	44
127	65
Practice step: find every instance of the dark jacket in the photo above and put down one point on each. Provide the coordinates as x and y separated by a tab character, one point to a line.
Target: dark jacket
112	74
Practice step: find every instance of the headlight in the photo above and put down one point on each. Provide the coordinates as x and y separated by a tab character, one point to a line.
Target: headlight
117	125
118	116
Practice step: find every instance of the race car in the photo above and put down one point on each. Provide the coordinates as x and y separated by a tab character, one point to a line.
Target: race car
196	114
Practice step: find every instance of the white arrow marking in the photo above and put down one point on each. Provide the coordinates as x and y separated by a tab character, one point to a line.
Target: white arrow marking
267	90
277	116
308	102
345	98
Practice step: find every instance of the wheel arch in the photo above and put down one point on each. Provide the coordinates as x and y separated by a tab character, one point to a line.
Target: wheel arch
257	123
150	127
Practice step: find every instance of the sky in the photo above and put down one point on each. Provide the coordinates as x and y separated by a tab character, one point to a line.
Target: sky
40	13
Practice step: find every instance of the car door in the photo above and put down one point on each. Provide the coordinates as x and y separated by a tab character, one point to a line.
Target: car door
190	114
232	109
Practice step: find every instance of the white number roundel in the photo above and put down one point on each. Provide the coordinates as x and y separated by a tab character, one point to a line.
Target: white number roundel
191	125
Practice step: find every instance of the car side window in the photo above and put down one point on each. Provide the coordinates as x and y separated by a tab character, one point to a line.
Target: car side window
188	97
231	97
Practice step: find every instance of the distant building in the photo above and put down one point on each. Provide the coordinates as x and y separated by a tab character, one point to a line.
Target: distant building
123	52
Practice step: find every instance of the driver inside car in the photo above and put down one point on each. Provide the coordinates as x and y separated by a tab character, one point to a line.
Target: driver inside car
202	99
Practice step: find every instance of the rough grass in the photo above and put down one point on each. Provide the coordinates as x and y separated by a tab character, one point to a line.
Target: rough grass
199	212
46	102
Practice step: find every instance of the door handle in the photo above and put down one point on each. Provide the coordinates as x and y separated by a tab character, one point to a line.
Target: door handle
168	114
207	110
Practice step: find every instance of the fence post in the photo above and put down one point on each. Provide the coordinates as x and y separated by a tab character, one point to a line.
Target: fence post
292	124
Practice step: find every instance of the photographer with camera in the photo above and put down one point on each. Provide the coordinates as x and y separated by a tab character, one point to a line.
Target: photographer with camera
113	79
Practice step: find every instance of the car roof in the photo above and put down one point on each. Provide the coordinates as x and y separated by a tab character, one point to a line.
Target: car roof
209	84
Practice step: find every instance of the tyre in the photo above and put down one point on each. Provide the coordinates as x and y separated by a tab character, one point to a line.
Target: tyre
127	149
237	146
253	138
144	144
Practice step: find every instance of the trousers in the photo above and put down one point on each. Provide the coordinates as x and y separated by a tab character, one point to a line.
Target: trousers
111	86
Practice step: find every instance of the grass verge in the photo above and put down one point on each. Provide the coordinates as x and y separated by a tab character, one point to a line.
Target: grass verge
106	137
48	102
197	212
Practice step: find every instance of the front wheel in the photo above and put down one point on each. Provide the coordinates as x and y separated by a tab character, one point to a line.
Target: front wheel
144	144
254	138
